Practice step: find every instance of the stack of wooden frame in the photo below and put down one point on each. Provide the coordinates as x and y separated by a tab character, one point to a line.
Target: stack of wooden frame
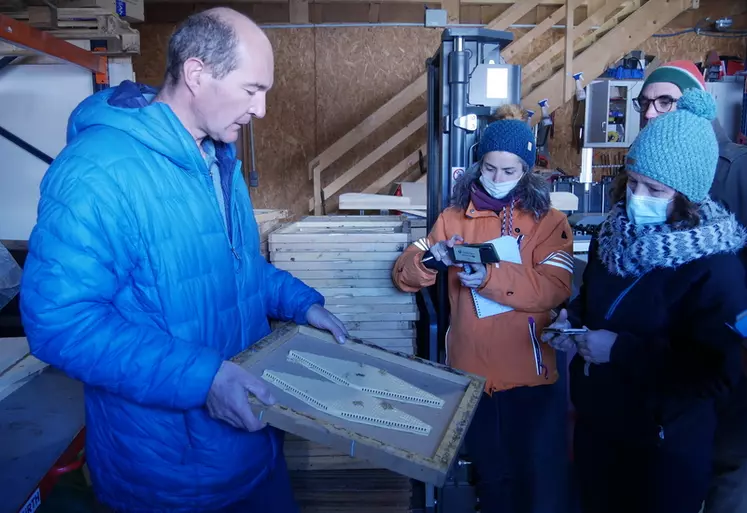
267	222
349	260
346	491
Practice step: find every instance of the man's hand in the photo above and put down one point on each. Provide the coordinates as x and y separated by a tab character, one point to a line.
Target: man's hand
473	275
228	397
323	319
560	342
440	250
596	345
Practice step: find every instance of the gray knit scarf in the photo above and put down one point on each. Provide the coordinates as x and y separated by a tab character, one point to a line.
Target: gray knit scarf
630	250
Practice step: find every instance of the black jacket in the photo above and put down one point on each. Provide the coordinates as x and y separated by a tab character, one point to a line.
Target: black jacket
674	344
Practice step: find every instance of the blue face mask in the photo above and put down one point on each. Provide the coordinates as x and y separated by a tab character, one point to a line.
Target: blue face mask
643	210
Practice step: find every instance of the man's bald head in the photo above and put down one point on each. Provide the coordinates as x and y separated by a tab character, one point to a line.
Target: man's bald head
218	72
214	37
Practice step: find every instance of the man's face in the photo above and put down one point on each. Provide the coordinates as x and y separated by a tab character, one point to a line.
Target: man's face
223	105
657	99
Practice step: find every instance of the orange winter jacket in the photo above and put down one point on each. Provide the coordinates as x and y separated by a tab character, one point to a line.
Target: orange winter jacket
502	347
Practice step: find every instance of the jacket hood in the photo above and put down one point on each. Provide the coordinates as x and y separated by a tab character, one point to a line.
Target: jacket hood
627	249
130	108
532	192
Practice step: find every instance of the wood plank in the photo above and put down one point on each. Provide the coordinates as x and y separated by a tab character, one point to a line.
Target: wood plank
382	334
569	38
350	264
579	46
383	325
366	127
329	292
633	31
374	156
376	316
393	174
350	283
405	301
299	11
340	274
452	11
521	44
291	247
547	56
263	215
512	14
351	257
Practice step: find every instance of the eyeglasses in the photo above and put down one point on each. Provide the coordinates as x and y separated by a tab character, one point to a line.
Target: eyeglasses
662	104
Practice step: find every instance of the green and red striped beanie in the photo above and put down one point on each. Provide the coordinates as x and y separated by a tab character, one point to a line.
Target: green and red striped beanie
683	74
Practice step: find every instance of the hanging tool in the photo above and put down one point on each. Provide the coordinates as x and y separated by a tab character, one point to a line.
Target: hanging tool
530	113
580	93
544	105
253	175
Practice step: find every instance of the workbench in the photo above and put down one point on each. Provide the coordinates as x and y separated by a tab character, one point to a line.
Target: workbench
38	424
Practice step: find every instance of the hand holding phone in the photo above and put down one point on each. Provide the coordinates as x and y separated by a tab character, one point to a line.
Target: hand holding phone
560	333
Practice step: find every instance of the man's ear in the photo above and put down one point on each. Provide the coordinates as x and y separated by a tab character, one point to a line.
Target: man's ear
192	71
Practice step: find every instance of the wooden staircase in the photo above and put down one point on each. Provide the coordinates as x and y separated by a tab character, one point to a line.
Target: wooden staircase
610	30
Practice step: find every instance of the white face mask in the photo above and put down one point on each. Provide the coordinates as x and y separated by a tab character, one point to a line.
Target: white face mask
643	210
498	190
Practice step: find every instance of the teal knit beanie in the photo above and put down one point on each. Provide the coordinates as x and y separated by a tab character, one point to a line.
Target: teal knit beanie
510	135
679	149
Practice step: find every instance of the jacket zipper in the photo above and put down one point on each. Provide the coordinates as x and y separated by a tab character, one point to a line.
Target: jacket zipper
622	295
213	192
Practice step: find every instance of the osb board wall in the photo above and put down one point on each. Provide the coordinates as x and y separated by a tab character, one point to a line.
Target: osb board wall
329	79
687	46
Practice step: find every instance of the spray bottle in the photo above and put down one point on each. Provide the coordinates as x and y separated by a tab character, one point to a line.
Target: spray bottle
546	121
580	93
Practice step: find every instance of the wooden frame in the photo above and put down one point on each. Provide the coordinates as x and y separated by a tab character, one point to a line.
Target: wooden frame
312	425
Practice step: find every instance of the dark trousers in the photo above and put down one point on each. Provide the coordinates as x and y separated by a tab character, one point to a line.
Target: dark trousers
517	445
634	470
274	495
728	491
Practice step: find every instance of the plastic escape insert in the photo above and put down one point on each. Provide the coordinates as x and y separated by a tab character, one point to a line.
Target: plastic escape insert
346	402
365	378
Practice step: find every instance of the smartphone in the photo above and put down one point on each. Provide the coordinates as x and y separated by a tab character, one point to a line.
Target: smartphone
474	254
566	331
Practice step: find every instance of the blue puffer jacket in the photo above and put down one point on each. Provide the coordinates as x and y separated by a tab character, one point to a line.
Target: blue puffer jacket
133	286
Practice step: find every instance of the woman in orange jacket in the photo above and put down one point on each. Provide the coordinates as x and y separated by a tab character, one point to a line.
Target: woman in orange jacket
517	438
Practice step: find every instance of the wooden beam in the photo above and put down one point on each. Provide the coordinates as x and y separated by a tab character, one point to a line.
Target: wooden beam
512	14
397	171
373	12
578	47
545	57
23	35
516	47
299	11
452	11
569	38
375	155
633	31
370	124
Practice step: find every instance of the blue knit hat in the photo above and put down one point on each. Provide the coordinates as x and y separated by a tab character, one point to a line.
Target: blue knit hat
679	149
511	135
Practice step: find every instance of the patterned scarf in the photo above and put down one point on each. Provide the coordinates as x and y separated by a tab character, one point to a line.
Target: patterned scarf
484	201
630	250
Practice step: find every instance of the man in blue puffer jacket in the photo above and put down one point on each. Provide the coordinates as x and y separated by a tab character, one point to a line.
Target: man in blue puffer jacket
144	277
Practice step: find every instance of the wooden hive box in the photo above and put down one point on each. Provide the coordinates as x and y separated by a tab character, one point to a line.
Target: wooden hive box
349	260
268	221
425	456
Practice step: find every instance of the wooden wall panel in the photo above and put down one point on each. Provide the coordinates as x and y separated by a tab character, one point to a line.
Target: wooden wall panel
329	79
